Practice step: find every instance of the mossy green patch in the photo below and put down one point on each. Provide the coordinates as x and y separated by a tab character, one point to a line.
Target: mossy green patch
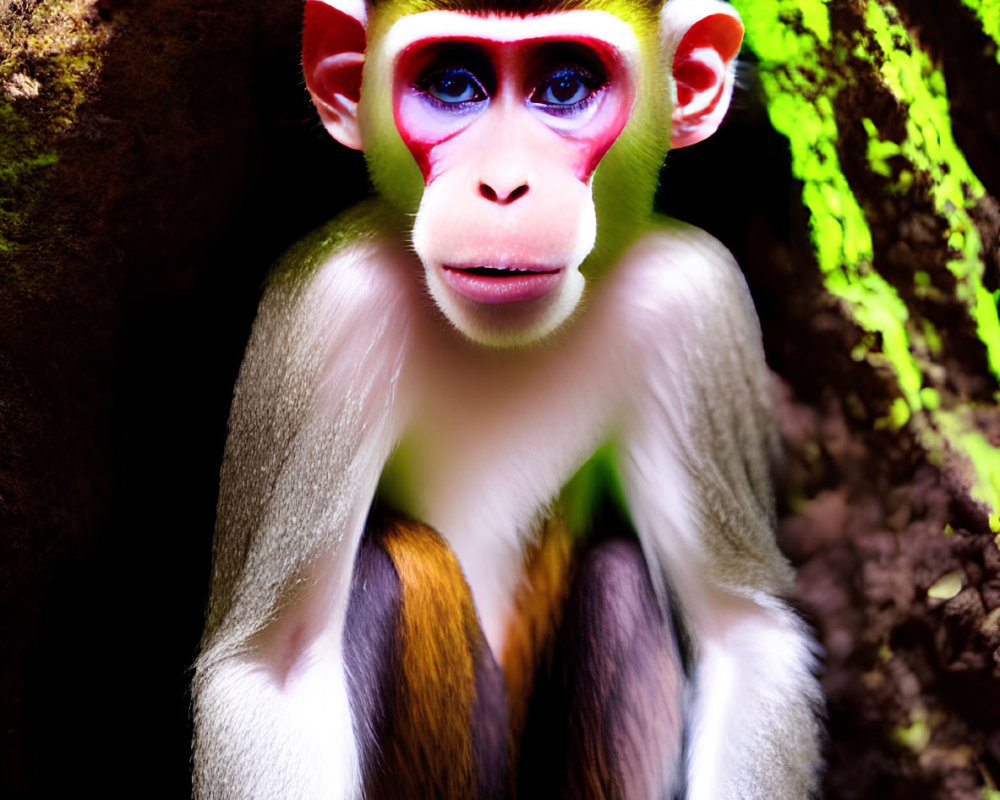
986	462
50	57
596	482
988	14
915	737
803	72
22	155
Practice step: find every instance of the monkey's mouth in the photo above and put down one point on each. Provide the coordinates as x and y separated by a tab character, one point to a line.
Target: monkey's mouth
502	284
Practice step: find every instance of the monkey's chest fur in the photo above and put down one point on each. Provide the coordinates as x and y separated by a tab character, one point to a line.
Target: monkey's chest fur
508	630
485	457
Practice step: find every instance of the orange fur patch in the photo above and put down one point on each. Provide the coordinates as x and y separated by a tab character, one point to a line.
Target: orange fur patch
536	618
430	738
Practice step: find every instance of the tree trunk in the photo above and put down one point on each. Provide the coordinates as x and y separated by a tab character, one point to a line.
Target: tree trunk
889	349
157	155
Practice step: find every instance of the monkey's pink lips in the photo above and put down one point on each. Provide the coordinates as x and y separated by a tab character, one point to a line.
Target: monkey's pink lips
494	285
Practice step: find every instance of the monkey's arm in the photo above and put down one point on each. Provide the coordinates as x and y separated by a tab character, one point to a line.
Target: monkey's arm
312	423
696	467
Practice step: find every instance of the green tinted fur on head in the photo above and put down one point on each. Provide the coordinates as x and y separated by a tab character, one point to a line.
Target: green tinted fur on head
637	12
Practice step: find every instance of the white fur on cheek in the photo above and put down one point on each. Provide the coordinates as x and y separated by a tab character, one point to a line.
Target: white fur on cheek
505	324
502	327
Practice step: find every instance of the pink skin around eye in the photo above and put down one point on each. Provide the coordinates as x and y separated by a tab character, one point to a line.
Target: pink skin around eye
423	129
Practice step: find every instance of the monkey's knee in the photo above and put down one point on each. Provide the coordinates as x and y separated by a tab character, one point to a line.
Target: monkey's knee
615	692
426	694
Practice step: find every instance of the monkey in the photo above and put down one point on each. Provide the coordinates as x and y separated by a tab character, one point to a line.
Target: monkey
496	513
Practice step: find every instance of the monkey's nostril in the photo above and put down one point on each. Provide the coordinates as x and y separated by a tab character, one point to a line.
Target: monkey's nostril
490	193
520	191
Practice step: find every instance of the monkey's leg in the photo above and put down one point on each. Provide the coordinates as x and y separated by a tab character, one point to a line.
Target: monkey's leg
754	717
426	694
607	722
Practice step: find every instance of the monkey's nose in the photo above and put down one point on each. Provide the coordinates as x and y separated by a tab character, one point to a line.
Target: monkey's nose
491	194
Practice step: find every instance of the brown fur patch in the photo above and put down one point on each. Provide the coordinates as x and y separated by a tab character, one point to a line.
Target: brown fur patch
428	744
536	617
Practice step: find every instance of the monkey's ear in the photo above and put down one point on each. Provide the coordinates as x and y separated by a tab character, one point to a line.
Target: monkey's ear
333	53
700	40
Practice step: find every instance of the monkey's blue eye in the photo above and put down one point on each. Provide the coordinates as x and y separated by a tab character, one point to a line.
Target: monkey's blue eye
566	90
452	87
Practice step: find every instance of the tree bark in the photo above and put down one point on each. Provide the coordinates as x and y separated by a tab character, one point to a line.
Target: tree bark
155	157
889	352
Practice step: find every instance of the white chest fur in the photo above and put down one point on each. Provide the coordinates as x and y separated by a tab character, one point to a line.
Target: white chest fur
488	448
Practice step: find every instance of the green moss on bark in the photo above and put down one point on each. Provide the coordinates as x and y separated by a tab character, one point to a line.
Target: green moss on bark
50	59
807	69
988	14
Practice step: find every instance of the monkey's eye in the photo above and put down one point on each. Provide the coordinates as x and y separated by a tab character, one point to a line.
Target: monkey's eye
452	87
567	90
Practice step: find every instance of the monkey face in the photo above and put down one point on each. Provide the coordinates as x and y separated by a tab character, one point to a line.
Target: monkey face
507	133
488	129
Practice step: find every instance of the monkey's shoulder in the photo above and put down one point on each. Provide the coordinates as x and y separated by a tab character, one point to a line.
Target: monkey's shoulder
674	272
366	228
356	262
